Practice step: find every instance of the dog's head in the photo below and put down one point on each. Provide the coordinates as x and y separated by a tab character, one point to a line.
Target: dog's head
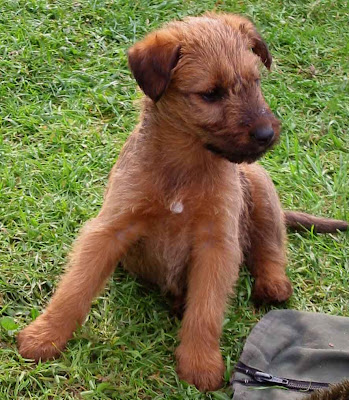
204	78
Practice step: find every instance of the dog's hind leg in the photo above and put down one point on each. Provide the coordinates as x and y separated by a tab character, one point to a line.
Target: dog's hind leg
94	257
266	256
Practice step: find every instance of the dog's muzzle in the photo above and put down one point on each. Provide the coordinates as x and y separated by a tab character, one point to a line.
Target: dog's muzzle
248	156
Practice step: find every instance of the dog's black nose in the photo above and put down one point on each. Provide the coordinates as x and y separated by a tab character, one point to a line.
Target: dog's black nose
263	134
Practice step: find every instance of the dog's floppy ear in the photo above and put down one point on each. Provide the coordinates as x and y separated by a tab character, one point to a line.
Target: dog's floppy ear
152	60
246	27
259	46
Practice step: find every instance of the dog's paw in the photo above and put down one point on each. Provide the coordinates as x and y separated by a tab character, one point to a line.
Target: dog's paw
204	369
41	341
273	289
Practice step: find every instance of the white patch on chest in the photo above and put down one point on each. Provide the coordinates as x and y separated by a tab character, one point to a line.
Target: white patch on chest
176	207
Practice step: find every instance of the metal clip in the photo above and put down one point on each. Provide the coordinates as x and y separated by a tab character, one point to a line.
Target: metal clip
262	377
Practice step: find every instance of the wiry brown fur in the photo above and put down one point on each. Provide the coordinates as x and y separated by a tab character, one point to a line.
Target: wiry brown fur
184	204
340	391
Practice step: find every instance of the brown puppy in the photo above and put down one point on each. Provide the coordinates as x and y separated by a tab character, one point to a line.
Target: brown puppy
185	202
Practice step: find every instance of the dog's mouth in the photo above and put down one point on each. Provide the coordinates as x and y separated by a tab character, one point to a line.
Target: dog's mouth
242	156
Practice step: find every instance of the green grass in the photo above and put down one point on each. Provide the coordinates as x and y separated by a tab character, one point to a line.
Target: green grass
66	108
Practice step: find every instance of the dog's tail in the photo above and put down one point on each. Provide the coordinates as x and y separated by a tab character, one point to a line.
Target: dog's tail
300	221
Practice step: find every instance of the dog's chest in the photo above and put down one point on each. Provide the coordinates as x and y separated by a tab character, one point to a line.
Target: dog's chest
162	256
164	253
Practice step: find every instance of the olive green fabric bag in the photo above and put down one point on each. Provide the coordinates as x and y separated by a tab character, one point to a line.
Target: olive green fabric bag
288	350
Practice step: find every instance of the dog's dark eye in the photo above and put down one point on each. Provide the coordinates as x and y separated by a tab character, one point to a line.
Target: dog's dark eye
213	95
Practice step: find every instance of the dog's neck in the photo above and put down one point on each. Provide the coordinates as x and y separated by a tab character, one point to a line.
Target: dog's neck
179	157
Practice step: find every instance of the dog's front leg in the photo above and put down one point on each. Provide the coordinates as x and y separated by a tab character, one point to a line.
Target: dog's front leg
212	275
95	254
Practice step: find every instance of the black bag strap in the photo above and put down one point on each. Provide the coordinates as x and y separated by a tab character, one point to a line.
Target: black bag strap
260	377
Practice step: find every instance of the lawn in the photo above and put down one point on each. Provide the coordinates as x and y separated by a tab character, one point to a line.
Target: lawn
67	104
